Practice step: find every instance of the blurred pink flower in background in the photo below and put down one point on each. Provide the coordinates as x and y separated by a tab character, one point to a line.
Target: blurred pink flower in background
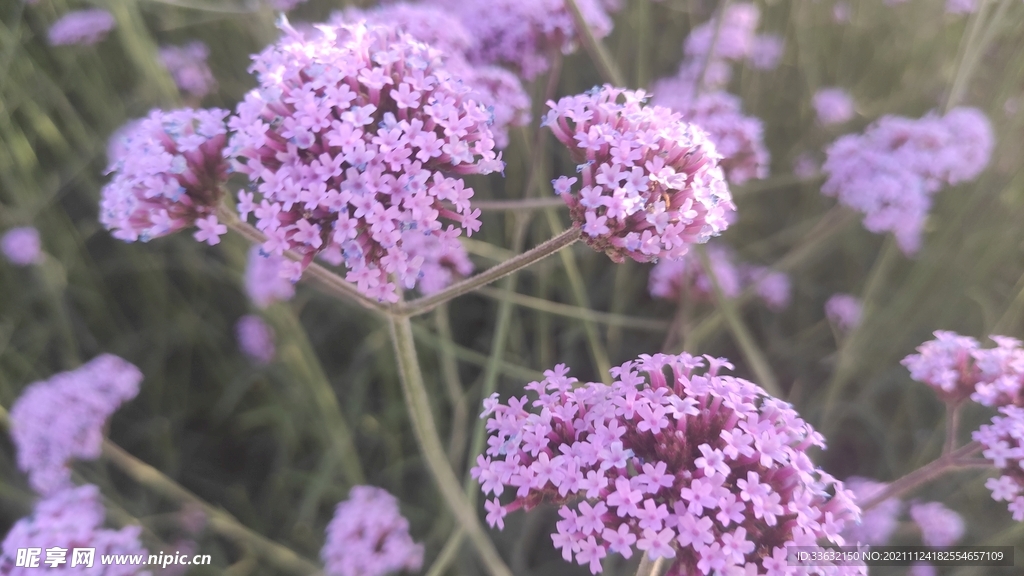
22	246
82	27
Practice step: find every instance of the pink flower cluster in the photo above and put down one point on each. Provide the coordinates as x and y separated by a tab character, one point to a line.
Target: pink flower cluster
83	27
22	246
353	138
188	68
671	279
737	41
168	172
60	419
522	34
369	537
738	138
495	88
1003	440
843	310
890	172
444	261
877	524
957	367
255	338
833	106
701	467
266	278
940	526
69	519
649	185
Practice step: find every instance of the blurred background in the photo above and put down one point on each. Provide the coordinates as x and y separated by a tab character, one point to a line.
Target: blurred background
260	440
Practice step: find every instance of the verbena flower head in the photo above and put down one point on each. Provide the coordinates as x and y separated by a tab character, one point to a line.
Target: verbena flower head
266	278
255	338
69	519
649	183
495	88
523	34
1003	441
891	171
844	311
738	139
168	174
60	419
672	460
736	34
877	524
686	277
354	137
957	367
939	525
21	246
767	51
188	68
368	536
84	27
833	106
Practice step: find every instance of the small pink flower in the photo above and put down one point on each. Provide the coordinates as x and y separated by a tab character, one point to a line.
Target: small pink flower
210	230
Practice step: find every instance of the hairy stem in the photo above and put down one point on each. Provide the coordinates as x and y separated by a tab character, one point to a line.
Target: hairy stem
218	520
447	555
417	401
954	460
650	567
428	303
327	281
519	205
453	386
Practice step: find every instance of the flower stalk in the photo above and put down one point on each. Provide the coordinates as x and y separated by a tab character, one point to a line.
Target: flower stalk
418	403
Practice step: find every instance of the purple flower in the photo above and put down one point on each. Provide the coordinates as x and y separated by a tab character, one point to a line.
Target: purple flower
922	569
738	138
805	167
939	525
671	279
188	68
876	525
736	37
266	278
356	136
369	537
444	260
843	310
21	246
766	51
1003	442
168	172
84	27
841	12
69	519
60	419
891	171
956	367
654	178
495	88
833	106
255	338
521	34
693	465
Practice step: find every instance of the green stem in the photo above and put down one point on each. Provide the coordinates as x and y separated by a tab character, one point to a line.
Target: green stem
576	312
218	520
327	281
598	53
954	460
498	344
447	555
650	567
697	86
748	346
417	401
428	303
453	386
579	292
